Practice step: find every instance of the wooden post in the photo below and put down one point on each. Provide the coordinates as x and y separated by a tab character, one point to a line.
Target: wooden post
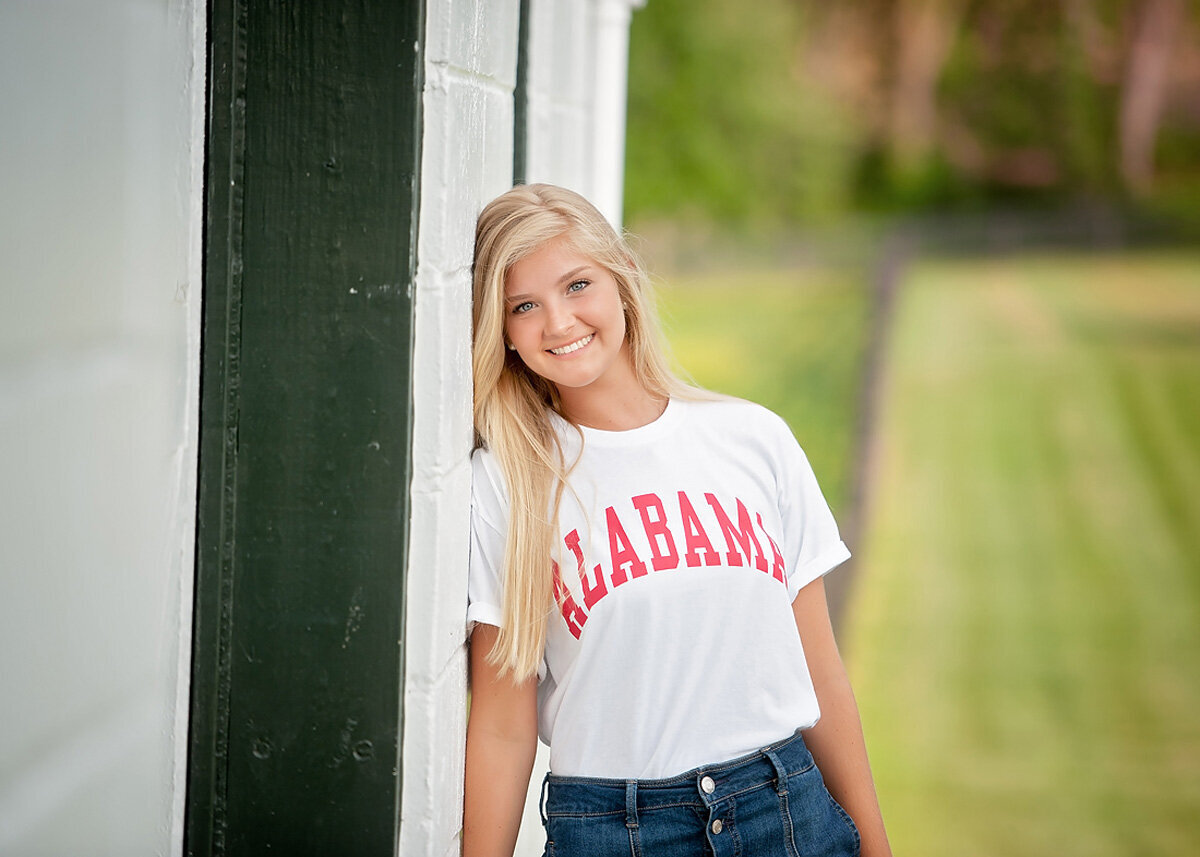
311	202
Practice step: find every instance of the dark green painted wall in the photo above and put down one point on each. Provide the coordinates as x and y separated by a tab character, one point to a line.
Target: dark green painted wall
312	165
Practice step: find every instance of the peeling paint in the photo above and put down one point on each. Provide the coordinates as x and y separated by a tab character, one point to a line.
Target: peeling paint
354	616
344	738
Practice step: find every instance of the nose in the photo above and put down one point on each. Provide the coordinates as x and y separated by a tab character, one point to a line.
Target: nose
559	319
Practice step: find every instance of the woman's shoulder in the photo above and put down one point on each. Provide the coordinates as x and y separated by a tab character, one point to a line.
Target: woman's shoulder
741	415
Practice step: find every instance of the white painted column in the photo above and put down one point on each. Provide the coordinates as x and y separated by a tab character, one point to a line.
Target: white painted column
576	133
575	138
559	88
611	88
466	160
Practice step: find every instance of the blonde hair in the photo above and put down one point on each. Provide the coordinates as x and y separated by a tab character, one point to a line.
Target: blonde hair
513	404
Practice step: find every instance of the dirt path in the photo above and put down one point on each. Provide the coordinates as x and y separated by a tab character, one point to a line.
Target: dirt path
886	278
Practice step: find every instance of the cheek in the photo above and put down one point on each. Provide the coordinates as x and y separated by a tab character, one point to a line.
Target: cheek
622	323
512	332
518	336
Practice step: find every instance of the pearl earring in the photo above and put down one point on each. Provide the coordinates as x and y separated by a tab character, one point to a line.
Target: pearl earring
511	347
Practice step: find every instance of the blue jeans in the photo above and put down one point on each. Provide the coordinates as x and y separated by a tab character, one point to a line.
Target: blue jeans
768	803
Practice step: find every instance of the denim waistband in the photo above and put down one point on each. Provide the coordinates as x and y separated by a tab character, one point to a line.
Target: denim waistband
705	785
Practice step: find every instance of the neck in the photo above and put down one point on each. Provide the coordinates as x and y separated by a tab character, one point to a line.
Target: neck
617	415
619	407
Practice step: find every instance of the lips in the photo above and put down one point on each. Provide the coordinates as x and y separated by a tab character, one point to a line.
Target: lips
572	346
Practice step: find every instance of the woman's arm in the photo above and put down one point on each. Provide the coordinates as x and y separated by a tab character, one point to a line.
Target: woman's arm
501	742
836	742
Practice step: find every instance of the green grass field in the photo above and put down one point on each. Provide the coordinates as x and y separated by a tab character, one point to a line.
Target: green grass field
1024	636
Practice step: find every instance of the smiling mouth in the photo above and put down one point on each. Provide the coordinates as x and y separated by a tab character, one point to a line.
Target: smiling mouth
574	346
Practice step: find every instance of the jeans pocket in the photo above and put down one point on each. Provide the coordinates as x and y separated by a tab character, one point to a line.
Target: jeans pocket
849	822
820	825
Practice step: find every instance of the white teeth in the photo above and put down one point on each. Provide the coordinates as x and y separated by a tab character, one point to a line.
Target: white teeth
574	346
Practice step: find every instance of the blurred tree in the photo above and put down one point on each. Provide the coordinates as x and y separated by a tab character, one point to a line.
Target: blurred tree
1088	74
924	32
1155	29
786	109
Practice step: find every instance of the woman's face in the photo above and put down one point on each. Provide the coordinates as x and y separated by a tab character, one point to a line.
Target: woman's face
564	316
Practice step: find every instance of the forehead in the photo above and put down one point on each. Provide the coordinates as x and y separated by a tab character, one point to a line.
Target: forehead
547	266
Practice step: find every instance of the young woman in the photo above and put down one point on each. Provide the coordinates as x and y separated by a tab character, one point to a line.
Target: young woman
646	578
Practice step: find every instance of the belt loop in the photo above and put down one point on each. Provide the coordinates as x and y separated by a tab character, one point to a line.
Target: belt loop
542	799
781	774
631	819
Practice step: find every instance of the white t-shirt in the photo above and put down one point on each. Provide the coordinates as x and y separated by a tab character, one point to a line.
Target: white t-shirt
680	552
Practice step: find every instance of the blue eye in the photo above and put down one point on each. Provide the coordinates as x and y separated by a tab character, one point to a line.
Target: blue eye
522	307
578	285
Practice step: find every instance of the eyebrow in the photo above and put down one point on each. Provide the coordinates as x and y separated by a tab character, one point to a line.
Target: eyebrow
567	277
570	275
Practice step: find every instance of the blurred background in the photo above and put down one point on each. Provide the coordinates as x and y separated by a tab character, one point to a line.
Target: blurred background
956	245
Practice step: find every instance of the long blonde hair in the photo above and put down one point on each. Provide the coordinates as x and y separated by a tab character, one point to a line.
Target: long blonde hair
513	404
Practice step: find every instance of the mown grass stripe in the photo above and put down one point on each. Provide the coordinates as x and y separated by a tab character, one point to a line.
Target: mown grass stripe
1164	453
1049	631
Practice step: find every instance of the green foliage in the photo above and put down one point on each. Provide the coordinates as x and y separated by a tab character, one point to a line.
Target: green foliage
719	126
1020	84
932	183
1085	135
779	111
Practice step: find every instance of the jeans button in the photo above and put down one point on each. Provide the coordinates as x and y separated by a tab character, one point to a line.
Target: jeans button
708	785
717	826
